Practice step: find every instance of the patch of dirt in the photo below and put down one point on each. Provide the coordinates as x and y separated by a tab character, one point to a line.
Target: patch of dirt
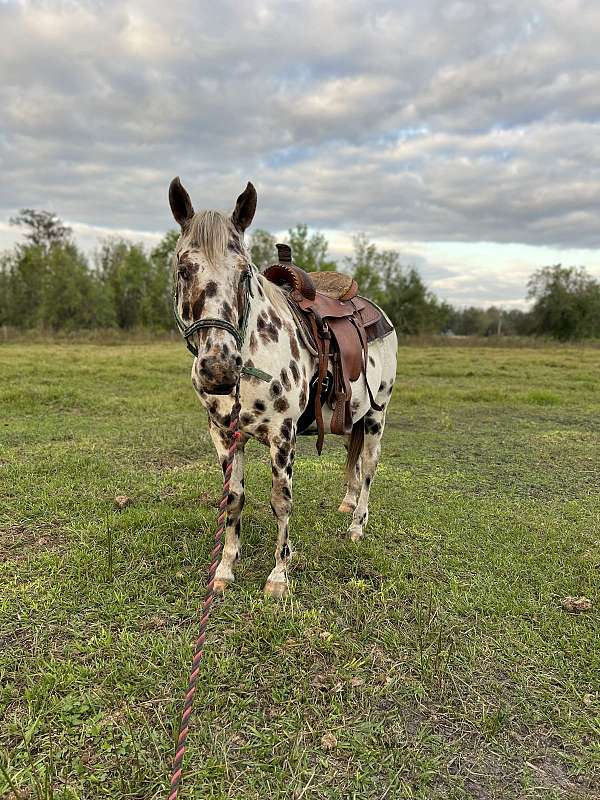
483	766
18	638
576	605
551	775
122	501
18	542
172	461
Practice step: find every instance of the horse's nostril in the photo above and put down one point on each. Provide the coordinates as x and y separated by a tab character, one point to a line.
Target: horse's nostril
202	363
238	361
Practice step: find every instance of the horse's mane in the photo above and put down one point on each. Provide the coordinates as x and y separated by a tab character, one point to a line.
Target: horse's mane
210	232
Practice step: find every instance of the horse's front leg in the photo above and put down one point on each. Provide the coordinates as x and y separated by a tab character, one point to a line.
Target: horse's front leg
283	451
235	503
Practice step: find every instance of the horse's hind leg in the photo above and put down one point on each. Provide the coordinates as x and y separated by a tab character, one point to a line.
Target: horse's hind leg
374	424
235	503
353	486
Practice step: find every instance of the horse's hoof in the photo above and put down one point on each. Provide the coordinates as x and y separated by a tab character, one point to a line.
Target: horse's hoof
346	508
276	589
355	535
220	585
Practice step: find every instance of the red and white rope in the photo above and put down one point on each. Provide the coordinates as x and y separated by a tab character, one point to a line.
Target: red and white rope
184	725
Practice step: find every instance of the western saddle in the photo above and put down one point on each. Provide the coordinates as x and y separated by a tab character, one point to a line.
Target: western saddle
336	325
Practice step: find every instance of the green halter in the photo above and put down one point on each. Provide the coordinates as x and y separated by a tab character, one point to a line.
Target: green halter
239	333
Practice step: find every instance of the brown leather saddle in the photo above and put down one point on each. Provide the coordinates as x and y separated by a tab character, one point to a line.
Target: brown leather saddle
337	325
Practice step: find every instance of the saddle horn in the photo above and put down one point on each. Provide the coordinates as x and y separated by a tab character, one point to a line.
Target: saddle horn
286	272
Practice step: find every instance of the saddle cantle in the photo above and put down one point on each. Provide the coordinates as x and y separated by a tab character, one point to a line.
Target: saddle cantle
337	324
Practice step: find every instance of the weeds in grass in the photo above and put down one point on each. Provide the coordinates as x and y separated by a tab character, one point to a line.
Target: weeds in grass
434	644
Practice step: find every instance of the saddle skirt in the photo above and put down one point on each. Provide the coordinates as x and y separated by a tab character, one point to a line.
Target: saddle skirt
336	325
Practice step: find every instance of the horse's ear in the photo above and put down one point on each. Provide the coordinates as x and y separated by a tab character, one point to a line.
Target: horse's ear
245	207
180	202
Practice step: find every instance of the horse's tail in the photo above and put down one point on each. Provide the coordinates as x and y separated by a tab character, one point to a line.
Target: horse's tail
355	446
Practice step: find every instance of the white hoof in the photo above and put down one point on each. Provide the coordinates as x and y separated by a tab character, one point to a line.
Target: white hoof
220	585
355	534
276	589
346	508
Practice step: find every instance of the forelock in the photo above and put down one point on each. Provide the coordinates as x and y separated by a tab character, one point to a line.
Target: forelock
209	231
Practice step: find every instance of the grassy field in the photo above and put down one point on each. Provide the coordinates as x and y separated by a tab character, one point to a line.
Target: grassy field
433	660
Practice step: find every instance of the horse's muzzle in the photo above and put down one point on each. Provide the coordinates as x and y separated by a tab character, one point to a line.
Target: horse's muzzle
217	374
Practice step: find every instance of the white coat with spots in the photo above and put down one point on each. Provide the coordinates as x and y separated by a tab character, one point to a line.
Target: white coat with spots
210	262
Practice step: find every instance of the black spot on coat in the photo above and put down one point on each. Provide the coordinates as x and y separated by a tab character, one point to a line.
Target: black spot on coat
286	428
198	306
285	380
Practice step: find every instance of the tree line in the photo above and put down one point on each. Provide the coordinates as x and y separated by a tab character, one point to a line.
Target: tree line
46	281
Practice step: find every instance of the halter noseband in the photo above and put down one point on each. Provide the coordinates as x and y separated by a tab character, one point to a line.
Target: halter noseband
187	331
239	333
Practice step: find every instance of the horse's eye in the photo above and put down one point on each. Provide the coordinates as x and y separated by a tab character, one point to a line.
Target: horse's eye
183	272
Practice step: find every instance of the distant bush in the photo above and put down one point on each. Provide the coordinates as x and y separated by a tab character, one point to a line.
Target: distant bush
566	303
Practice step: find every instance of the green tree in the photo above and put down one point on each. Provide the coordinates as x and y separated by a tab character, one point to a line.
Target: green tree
5	288
471	321
262	249
23	271
157	310
399	290
46	281
69	294
310	252
366	266
517	323
126	272
42	228
492	321
566	302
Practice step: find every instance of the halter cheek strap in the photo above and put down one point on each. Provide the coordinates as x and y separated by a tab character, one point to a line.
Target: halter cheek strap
239	333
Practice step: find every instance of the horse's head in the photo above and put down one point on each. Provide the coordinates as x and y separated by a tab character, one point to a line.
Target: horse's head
211	261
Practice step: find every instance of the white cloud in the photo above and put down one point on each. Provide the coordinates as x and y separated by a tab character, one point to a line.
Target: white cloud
423	122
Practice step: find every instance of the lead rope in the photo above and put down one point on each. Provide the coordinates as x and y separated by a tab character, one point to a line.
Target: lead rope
184	725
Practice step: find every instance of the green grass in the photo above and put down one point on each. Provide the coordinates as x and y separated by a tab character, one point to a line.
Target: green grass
434	657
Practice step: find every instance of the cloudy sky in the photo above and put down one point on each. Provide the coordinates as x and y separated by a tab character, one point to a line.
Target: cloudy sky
464	134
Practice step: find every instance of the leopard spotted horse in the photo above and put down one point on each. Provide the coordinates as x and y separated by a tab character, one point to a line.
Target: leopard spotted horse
243	329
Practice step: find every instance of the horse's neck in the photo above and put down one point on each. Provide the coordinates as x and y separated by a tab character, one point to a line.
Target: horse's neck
265	297
275	298
268	302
